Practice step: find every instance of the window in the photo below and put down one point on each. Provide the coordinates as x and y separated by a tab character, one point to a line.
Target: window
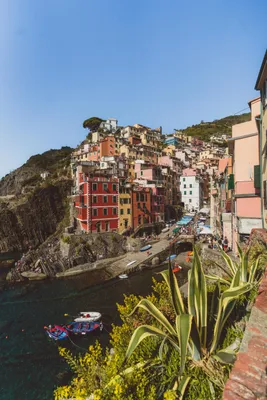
121	211
142	197
105	199
95	212
114	199
94	199
185	192
128	211
139	219
184	185
94	187
190	200
183	179
114	211
190	185
137	196
106	226
105	211
144	206
114	187
138	205
105	186
190	192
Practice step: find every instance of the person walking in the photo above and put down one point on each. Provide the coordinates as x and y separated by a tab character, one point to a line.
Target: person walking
225	244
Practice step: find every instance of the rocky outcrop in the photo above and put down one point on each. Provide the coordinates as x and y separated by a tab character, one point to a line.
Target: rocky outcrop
28	222
56	256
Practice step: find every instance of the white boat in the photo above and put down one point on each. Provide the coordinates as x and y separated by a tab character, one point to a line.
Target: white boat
88	316
130	263
165	230
123	276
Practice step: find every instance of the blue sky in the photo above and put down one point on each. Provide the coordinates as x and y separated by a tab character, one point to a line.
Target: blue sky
171	63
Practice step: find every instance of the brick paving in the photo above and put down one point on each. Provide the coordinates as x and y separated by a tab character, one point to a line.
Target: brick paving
248	378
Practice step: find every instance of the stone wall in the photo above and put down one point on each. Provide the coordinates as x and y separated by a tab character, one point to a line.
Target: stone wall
248	378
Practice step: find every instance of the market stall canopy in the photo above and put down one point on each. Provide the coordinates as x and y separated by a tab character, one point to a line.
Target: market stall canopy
176	230
205	231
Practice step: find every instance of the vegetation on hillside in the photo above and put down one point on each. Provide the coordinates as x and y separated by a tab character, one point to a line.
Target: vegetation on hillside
169	347
92	123
218	127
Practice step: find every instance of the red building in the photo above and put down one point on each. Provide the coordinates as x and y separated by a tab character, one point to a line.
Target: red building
97	205
141	206
157	205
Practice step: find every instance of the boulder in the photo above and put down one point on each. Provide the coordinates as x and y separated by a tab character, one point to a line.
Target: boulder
155	261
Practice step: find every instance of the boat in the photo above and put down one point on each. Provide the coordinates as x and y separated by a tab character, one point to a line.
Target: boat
171	257
57	332
165	230
123	276
83	328
130	263
177	269
145	248
88	316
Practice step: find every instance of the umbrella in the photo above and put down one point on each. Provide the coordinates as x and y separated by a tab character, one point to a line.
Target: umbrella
171	257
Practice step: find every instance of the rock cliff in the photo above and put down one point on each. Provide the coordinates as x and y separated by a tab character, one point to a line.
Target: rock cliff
29	220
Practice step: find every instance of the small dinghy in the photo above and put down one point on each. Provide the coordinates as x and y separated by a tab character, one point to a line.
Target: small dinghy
145	248
123	276
83	328
165	230
130	263
171	257
56	332
88	316
177	269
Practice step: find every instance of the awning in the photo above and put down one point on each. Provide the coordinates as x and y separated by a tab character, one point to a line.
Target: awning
176	230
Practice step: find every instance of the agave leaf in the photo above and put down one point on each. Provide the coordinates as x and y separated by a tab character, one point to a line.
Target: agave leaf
240	252
225	356
119	377
214	303
231	264
183	382
253	270
217	278
234	292
176	296
161	349
201	301
194	343
140	334
183	327
155	313
191	294
244	267
236	278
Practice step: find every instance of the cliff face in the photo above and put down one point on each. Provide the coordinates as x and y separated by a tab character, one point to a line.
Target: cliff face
29	222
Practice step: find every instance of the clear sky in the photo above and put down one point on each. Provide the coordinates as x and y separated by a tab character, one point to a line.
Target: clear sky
171	63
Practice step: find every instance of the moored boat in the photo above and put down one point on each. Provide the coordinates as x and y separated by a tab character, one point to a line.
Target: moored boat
145	248
123	276
88	316
56	332
83	328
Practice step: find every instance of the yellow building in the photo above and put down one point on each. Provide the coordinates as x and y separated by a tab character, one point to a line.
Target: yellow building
125	216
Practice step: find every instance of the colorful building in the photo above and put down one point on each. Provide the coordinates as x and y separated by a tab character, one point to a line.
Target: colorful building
261	122
97	202
244	146
141	206
125	207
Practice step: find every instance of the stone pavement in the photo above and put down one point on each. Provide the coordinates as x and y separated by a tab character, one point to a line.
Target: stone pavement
248	378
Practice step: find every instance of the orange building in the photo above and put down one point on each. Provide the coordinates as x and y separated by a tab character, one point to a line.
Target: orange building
141	206
108	147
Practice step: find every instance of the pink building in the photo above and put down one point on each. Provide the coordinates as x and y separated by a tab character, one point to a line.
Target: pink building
244	145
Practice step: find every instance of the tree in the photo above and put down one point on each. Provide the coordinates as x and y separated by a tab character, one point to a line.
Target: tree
92	123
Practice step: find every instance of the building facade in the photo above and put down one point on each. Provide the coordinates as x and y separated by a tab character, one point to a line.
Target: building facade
191	190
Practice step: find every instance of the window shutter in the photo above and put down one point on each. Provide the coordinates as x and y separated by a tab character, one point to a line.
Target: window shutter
257	177
231	182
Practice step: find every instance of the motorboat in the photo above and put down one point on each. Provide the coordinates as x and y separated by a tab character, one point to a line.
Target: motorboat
131	263
145	248
88	316
165	229
56	332
171	257
83	328
177	269
123	276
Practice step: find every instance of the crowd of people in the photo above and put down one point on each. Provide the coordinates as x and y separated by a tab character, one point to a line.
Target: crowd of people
215	242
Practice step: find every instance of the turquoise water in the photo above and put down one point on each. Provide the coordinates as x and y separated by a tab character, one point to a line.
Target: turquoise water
30	367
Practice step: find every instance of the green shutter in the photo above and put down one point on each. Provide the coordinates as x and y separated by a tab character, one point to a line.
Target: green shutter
231	182
257	177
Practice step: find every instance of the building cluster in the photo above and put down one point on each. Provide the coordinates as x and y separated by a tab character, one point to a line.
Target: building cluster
239	189
128	176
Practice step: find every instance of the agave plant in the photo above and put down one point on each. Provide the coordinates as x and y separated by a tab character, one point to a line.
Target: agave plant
240	272
197	329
